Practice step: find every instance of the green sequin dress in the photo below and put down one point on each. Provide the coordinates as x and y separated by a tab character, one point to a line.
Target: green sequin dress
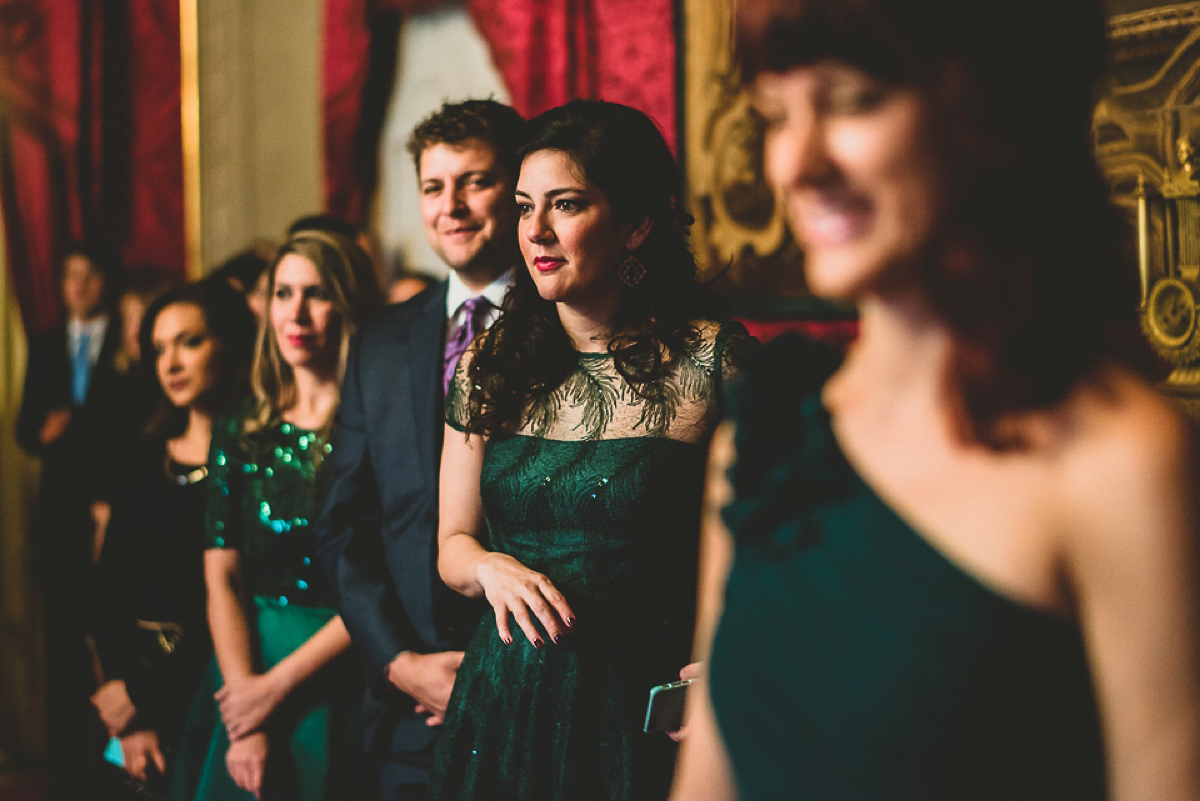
262	501
599	490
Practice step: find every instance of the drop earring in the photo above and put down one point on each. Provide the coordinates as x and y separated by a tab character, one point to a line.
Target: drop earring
632	271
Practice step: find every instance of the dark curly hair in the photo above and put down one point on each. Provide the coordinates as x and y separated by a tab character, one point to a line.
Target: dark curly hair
1030	268
527	354
454	123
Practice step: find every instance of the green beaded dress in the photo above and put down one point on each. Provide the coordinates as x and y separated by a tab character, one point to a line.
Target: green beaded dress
262	501
600	490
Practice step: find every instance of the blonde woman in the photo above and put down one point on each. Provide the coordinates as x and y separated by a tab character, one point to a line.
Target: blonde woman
285	728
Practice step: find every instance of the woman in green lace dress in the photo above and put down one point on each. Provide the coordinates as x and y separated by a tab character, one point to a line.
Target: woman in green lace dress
961	562
572	472
286	727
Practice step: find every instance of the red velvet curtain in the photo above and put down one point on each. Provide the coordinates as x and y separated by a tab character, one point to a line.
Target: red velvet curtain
548	52
358	74
347	42
90	139
551	51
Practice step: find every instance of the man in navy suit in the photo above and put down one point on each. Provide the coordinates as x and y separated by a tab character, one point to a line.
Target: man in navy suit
74	415
377	531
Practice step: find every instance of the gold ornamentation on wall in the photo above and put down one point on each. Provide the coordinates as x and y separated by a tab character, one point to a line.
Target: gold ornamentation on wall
738	223
1145	131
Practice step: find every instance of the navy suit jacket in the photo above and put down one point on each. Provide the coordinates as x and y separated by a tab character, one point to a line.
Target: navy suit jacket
377	532
73	467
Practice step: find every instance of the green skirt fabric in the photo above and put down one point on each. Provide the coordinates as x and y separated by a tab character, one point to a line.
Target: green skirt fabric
313	736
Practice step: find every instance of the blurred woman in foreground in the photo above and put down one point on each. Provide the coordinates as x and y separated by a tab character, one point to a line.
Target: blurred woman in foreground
962	562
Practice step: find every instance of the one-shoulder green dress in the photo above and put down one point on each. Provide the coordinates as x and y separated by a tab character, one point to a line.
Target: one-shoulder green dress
599	490
853	660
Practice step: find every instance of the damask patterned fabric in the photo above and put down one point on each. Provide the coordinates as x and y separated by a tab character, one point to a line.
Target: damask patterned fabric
548	52
553	51
90	144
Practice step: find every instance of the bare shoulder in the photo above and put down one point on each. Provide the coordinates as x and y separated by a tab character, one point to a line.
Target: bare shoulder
1119	424
1128	461
1130	556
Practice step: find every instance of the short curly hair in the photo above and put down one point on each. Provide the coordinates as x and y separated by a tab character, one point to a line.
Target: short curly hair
454	123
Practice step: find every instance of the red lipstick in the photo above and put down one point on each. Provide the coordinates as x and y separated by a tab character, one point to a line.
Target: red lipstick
545	264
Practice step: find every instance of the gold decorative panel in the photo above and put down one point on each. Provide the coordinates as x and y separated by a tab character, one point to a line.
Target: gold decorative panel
738	225
1146	129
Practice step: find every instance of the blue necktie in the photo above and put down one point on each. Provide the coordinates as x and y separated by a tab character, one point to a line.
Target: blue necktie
81	368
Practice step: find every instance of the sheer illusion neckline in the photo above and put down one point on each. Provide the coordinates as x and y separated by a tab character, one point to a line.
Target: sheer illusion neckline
627	438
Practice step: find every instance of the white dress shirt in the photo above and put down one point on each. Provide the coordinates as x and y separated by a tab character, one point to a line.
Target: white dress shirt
458	293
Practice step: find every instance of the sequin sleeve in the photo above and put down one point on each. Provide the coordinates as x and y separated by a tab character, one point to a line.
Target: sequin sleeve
222	523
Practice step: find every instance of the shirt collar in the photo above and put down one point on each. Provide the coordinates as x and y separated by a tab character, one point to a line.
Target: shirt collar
94	327
458	293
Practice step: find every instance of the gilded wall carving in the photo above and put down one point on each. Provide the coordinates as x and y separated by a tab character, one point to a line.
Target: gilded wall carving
1146	130
737	222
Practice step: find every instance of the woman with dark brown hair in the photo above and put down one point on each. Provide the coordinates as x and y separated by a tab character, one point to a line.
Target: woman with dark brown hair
572	469
961	563
150	632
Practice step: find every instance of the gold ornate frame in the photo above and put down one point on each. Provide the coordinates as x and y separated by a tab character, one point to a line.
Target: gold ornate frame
738	224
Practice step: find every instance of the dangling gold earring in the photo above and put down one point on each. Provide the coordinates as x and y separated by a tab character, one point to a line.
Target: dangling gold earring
632	271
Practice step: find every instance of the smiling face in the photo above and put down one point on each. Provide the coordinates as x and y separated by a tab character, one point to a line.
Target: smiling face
569	234
856	170
466	207
185	354
303	318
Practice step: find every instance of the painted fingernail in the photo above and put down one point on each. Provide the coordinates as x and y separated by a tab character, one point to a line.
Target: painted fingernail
508	640
557	638
570	620
537	643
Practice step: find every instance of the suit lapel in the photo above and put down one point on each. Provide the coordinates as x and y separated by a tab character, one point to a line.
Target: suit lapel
59	356
422	348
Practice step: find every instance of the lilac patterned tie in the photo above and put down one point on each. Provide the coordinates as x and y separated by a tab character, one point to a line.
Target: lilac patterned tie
475	309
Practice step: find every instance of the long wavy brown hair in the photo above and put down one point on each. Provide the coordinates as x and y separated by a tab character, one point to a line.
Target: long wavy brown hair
527	354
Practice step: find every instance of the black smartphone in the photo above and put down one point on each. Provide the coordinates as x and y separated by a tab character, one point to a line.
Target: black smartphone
664	711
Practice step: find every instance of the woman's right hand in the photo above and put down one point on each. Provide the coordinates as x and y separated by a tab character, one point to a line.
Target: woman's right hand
246	761
513	589
143	754
245	702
